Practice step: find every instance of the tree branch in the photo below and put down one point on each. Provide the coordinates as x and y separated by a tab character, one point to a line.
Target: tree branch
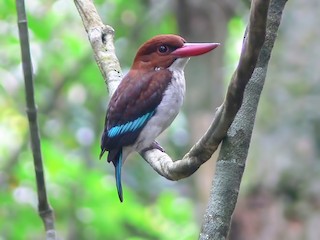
234	149
207	145
45	211
101	39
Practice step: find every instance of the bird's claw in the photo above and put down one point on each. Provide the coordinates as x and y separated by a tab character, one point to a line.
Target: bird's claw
154	145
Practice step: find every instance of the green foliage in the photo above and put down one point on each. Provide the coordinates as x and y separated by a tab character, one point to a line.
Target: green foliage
236	28
87	206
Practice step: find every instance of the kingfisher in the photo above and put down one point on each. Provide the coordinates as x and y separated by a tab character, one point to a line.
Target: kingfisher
148	98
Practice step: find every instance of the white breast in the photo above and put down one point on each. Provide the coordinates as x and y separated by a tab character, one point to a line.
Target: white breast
168	109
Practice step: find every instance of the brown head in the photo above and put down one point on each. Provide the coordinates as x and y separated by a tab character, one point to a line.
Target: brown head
162	50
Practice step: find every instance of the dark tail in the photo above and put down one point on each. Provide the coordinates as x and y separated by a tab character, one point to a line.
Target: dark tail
116	158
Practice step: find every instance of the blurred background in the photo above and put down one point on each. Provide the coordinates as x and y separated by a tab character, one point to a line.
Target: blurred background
280	191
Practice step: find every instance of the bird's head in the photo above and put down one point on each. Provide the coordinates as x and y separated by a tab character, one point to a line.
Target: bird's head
161	51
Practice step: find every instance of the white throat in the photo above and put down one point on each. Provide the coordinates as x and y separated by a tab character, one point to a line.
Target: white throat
179	64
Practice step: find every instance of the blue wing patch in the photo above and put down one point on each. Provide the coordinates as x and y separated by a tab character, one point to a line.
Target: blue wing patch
129	126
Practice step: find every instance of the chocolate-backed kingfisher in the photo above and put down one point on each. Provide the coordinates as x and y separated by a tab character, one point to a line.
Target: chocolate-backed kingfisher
148	98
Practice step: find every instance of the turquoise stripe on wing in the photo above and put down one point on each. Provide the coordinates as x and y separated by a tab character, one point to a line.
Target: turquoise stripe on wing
129	126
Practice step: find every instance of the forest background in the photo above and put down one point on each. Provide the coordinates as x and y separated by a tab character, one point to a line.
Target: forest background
280	192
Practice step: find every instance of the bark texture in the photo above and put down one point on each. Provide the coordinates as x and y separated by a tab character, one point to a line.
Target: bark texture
234	149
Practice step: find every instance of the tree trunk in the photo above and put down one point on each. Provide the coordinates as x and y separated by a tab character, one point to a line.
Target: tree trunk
234	149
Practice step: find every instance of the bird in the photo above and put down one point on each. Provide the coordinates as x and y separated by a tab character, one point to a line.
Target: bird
147	99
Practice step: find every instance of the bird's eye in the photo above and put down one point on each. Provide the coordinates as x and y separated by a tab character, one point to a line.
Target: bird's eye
163	49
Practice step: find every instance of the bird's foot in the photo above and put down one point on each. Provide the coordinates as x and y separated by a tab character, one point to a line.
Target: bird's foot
154	145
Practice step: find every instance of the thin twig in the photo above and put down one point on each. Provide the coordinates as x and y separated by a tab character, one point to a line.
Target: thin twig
49	106
45	211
